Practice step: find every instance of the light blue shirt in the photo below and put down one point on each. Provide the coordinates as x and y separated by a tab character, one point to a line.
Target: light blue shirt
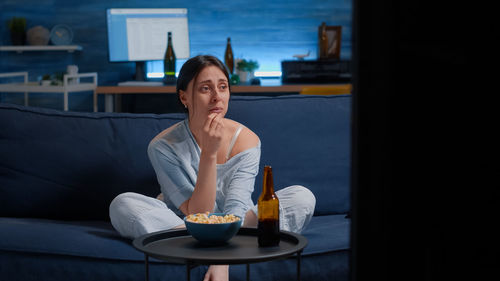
175	157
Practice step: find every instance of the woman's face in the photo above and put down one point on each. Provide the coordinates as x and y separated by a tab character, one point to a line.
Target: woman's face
208	93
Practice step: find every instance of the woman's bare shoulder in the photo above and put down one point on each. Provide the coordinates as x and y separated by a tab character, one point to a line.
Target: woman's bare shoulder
165	132
246	139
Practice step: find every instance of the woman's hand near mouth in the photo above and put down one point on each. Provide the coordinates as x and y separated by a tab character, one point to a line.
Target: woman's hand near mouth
213	132
210	139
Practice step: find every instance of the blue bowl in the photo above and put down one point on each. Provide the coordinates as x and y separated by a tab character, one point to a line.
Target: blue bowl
213	234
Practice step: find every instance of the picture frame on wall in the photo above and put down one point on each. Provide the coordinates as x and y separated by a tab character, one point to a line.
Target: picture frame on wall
329	41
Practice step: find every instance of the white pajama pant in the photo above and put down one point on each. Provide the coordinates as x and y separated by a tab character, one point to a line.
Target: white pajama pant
133	214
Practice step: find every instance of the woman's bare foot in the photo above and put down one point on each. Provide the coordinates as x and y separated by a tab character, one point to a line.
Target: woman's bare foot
217	273
250	219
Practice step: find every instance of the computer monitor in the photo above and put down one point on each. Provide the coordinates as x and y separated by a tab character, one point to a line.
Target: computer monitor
140	35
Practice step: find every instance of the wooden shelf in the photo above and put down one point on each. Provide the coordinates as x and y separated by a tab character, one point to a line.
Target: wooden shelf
20	49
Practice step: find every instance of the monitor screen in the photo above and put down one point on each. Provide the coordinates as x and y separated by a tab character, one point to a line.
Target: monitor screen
141	34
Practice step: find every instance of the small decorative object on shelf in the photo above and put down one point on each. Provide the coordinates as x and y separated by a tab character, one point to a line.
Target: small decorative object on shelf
329	38
46	80
58	79
38	35
61	34
245	69
302	56
323	41
17	27
72	70
235	79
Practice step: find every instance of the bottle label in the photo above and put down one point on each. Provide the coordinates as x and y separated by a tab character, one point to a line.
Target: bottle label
268	211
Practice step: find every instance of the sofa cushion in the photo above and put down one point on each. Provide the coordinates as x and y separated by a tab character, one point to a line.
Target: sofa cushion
97	239
70	165
307	141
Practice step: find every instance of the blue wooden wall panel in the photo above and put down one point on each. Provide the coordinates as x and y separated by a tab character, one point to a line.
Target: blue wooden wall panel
263	30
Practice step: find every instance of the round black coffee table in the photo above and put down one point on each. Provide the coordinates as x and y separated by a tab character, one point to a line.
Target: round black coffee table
178	246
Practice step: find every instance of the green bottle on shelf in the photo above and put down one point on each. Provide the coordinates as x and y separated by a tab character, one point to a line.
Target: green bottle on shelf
169	62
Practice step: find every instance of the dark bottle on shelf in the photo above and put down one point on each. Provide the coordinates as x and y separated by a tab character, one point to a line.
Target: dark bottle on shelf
323	42
228	56
169	60
268	212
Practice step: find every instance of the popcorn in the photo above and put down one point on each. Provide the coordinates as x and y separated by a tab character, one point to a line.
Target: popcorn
213	219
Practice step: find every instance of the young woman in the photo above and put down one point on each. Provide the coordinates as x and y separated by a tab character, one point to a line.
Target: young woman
205	163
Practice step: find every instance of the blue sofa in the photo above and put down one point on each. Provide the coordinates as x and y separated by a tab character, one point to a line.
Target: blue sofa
60	170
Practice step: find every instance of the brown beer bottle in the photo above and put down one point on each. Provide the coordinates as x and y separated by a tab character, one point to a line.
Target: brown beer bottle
268	213
228	56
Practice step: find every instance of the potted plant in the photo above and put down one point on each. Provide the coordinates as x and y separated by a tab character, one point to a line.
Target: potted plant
246	68
17	27
46	80
58	78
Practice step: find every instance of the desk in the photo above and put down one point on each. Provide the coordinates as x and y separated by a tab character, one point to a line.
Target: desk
111	92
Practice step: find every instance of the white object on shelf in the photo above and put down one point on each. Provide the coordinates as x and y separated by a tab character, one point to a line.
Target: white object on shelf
26	48
27	87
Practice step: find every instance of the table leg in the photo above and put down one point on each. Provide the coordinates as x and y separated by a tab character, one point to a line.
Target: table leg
146	262
118	103
95	101
65	100
188	271
108	103
248	272
298	265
